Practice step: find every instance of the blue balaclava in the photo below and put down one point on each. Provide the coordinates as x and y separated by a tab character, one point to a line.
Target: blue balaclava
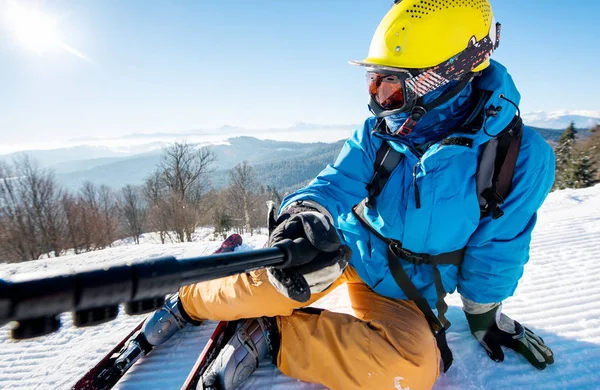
438	121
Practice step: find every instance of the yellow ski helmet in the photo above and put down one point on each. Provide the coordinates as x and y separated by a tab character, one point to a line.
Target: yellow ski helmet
425	44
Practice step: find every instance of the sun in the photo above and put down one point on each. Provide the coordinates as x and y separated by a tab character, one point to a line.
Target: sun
32	28
35	30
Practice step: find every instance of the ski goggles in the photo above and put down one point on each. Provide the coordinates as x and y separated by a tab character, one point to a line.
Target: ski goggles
388	89
396	90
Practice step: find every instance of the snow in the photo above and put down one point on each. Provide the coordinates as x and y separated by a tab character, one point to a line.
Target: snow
558	298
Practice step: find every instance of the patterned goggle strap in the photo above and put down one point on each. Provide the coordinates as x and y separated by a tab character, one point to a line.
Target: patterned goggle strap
456	67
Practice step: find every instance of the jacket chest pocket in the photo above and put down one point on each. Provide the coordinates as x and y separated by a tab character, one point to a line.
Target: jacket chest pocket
453	175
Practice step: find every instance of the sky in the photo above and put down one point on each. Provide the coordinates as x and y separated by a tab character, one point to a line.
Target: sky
144	66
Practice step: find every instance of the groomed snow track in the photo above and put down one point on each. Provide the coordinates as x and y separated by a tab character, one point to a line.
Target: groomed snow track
559	298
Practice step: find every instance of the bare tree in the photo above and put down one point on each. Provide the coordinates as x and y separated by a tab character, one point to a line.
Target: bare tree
109	213
32	220
176	190
73	219
37	217
155	196
15	245
243	193
4	237
42	199
184	170
134	212
91	231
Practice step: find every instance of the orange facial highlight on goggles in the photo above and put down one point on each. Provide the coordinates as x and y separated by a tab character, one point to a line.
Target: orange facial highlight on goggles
387	90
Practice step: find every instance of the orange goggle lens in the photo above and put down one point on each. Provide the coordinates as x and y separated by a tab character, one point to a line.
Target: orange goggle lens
386	90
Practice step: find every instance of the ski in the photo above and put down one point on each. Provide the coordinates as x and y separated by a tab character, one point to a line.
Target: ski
104	375
230	243
88	380
221	335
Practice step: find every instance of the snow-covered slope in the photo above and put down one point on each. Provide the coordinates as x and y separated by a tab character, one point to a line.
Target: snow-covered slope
559	298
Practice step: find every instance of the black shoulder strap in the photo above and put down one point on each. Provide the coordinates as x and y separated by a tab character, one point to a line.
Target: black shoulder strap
438	325
508	153
496	168
386	160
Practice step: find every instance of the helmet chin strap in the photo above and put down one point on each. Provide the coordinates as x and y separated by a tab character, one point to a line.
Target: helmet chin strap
419	110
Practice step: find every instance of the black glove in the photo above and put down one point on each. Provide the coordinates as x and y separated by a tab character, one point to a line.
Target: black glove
493	329
326	260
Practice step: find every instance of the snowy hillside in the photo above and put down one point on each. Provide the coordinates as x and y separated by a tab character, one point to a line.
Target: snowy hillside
561	119
559	298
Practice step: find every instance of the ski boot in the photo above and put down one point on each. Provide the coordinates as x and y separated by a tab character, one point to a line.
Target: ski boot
157	329
253	340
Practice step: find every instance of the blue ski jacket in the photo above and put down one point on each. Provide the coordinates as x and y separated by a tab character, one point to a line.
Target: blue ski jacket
449	216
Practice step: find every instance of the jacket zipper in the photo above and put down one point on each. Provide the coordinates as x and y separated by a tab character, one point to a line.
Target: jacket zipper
416	185
418	155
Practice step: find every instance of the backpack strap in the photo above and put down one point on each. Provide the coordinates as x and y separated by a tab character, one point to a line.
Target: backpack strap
497	167
395	252
386	160
438	324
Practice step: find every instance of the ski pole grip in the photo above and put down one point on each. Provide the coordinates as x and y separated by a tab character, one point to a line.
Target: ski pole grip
297	252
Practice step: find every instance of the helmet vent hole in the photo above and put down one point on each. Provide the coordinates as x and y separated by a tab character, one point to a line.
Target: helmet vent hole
425	7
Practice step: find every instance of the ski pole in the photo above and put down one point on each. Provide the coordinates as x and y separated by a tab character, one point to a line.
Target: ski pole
34	301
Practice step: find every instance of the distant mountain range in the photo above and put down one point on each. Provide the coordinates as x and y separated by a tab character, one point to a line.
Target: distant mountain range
126	145
298	132
562	119
278	163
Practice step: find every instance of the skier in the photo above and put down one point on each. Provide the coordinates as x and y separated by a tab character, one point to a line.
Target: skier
400	227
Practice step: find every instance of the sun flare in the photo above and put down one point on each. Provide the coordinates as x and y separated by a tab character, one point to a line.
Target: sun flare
32	28
36	30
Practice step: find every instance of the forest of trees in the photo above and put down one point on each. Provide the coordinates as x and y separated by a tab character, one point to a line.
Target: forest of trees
577	160
38	218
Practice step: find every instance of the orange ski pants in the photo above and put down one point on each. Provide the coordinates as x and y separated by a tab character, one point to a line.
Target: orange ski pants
387	345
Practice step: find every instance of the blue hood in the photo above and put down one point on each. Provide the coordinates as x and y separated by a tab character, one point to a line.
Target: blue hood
499	83
453	113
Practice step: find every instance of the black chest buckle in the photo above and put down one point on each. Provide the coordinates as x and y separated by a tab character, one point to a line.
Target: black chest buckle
405	254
